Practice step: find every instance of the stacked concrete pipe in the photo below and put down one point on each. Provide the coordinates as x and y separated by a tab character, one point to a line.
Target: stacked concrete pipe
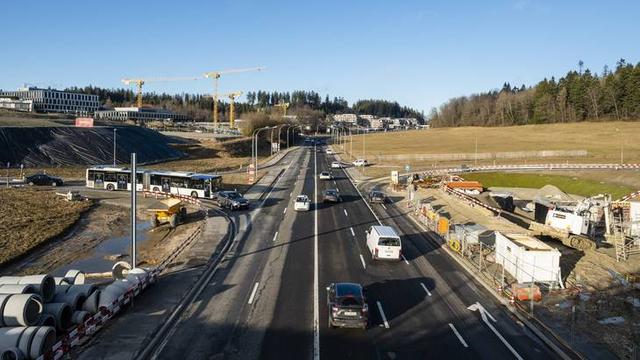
20	309
62	314
44	284
32	341
79	317
17	289
11	354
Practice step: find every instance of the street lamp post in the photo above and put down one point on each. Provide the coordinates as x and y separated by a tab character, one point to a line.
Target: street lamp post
254	153
621	146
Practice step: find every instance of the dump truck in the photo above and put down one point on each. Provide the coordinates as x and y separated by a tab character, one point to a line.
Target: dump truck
168	211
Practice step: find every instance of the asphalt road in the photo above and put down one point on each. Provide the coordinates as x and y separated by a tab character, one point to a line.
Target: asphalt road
269	301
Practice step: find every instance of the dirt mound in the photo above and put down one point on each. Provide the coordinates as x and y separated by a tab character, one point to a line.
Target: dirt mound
46	146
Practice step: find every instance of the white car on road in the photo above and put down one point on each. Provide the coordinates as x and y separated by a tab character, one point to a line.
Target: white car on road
360	162
336	165
325	175
302	203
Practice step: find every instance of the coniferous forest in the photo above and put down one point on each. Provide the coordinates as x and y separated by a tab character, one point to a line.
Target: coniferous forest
580	95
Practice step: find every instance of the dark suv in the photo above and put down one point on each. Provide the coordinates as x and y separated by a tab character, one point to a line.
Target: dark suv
376	196
231	200
347	306
331	195
43	179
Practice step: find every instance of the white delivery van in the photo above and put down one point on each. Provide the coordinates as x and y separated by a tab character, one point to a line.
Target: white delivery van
384	243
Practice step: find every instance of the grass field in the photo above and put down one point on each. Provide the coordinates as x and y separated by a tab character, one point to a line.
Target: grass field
30	217
568	184
601	140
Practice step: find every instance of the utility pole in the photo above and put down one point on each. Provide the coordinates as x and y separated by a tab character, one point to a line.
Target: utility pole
476	157
114	146
134	190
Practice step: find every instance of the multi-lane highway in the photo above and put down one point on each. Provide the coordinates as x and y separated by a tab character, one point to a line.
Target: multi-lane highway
269	299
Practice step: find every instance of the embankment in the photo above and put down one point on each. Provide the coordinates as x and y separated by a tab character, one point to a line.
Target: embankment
66	146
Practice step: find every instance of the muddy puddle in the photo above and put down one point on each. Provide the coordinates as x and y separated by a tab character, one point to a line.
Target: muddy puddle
102	257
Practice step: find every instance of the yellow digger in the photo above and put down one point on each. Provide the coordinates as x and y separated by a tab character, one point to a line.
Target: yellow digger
167	211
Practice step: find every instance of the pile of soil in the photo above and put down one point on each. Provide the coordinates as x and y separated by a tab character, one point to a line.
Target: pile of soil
65	146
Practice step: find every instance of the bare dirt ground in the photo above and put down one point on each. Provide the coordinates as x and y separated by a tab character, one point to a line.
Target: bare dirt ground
31	217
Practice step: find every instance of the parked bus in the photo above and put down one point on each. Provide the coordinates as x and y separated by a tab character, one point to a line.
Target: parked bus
174	182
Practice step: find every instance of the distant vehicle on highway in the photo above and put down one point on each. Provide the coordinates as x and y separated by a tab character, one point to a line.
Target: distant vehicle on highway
231	200
331	195
347	306
376	197
336	165
329	151
325	175
384	243
302	203
360	162
43	179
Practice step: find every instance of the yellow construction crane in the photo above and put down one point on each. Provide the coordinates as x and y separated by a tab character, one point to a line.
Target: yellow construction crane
284	107
140	82
232	96
215	75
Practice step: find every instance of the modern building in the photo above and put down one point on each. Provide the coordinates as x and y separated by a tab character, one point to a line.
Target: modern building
138	114
51	100
15	104
345	118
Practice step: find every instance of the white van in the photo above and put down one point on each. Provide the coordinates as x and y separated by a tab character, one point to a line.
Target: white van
384	243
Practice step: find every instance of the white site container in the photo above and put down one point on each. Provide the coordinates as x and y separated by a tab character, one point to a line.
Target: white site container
527	258
634	214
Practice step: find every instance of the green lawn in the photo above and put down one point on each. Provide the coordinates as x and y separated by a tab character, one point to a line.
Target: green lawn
571	185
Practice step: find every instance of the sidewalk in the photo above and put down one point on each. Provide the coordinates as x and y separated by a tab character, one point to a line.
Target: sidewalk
128	332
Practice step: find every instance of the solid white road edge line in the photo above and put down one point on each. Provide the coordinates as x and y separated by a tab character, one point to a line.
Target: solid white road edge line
275	236
455	331
382	315
352	232
364	265
316	296
253	293
425	289
405	259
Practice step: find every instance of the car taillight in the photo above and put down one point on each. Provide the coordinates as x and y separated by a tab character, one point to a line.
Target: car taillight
376	251
334	309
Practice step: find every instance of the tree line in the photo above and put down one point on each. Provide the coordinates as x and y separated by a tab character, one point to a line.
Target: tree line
580	95
199	107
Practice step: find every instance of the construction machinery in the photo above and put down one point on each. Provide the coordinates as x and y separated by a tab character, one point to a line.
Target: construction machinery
168	211
284	106
577	225
215	75
140	81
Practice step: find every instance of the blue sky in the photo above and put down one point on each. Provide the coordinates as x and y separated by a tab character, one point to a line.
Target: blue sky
419	53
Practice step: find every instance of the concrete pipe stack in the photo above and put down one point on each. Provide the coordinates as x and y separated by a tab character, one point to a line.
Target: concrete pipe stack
120	286
28	342
33	307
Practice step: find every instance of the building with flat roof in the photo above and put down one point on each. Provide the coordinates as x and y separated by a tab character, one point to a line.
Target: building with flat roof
51	100
16	104
138	114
